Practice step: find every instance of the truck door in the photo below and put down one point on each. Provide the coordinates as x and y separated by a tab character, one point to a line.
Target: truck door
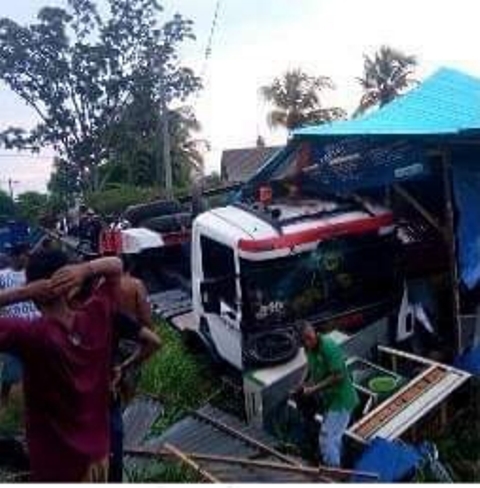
219	270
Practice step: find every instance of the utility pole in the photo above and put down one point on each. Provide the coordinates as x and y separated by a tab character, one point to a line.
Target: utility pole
10	182
167	160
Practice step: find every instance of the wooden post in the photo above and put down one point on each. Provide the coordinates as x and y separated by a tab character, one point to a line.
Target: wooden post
452	247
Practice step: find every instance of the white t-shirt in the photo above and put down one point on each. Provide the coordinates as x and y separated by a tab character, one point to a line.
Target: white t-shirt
10	278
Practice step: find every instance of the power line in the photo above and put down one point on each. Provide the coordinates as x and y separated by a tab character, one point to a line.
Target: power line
37	156
208	49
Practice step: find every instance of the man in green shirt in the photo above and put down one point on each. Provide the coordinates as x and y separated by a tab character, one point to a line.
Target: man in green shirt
329	378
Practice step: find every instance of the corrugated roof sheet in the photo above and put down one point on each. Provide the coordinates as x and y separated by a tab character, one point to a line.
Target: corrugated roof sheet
446	103
238	165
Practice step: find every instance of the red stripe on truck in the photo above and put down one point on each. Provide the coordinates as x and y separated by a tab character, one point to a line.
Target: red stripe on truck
360	226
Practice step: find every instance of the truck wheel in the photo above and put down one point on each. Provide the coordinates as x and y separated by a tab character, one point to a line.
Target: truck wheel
168	223
137	213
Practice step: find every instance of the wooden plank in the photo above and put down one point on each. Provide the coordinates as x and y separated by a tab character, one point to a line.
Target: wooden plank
386	411
189	462
247	439
422	360
420	407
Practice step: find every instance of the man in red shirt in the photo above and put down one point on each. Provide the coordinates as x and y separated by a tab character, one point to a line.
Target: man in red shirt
67	366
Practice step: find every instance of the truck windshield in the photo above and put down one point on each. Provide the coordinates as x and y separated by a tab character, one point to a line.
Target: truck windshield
338	276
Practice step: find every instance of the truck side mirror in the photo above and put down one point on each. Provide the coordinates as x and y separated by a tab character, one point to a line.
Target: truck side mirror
209	296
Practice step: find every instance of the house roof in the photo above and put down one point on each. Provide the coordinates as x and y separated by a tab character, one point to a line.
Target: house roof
446	103
239	165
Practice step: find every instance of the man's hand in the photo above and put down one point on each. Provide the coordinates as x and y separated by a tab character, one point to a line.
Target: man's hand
41	290
298	391
117	373
69	277
309	390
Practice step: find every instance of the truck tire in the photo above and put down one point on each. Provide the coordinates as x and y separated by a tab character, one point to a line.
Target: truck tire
137	213
168	223
271	347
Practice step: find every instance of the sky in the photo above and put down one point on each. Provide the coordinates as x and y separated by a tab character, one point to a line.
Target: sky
257	40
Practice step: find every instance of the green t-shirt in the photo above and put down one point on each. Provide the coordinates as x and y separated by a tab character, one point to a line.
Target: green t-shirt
324	361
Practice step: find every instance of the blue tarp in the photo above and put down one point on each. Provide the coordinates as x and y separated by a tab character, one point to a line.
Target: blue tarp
469	361
392	461
466	181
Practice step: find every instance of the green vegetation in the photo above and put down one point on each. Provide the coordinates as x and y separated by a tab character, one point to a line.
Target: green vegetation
165	472
459	446
11	417
386	75
115	199
182	379
96	79
296	99
7	206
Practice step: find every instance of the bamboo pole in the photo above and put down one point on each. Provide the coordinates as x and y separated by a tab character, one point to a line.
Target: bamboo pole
181	456
320	473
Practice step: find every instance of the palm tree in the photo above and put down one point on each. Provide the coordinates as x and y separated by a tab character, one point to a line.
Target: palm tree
296	98
386	75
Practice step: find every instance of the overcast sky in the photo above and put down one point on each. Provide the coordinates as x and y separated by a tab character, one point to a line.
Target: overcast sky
256	40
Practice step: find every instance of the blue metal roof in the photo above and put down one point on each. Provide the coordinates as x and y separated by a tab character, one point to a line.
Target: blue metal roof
446	103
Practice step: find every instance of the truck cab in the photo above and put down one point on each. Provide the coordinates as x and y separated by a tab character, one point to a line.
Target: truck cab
258	270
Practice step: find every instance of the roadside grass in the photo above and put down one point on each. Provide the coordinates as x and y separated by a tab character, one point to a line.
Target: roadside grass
181	378
459	446
165	472
11	417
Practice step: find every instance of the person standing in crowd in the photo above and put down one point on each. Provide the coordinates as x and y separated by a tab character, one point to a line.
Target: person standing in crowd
67	365
134	342
329	379
134	326
12	277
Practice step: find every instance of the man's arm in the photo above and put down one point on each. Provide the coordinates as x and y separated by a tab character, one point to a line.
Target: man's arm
32	291
74	275
330	380
333	356
149	344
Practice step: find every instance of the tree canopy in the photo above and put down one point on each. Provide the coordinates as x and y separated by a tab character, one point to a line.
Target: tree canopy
386	75
7	206
81	72
296	98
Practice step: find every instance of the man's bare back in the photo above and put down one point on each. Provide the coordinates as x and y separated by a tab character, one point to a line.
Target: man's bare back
134	300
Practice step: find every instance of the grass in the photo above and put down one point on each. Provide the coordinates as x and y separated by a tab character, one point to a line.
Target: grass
165	472
11	417
182	379
459	446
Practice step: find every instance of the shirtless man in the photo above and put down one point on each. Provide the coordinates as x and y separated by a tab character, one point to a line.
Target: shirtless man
135	309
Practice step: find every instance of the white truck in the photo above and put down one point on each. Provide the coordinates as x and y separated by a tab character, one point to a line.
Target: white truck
257	270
